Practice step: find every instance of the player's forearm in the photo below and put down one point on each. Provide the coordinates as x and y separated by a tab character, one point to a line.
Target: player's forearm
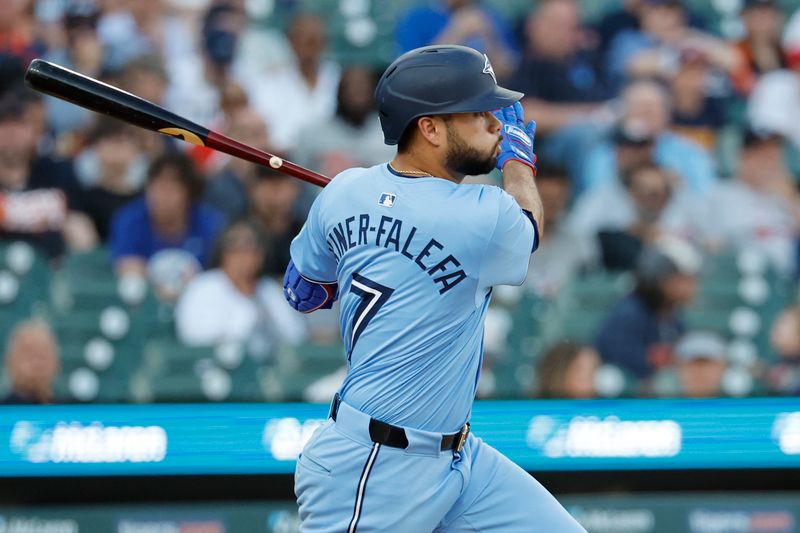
518	181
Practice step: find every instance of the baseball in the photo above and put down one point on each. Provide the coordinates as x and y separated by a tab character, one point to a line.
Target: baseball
275	161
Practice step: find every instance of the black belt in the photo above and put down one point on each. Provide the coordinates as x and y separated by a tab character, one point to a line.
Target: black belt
395	437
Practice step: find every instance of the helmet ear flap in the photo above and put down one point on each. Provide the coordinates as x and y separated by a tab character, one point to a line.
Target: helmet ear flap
410	131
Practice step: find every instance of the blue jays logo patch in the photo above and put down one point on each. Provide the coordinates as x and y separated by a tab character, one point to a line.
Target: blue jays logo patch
487	68
387	199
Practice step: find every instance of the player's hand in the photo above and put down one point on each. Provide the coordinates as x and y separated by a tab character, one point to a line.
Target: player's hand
517	143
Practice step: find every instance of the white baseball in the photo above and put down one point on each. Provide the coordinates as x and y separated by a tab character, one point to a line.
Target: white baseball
275	161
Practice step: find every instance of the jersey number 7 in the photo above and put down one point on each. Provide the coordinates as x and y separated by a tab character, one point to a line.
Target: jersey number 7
373	295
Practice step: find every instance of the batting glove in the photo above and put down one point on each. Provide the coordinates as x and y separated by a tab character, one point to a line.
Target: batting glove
517	143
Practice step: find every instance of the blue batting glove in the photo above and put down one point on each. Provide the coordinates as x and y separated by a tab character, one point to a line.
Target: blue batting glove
517	143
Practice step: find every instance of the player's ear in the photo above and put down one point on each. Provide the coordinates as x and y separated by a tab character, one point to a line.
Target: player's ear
433	130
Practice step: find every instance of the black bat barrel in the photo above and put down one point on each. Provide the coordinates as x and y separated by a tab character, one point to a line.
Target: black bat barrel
55	80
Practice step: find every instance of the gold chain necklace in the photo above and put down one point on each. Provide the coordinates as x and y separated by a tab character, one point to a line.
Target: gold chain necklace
415	172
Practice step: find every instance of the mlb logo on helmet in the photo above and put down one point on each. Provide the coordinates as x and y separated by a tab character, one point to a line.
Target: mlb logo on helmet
387	199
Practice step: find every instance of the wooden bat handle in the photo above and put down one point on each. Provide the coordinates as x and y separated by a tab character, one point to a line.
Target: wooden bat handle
233	147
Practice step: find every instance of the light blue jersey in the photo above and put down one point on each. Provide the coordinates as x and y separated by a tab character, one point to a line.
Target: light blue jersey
415	260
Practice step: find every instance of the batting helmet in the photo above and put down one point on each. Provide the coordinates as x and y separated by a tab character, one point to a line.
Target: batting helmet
436	80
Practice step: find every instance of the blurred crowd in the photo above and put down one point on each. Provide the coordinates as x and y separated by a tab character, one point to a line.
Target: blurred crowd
664	139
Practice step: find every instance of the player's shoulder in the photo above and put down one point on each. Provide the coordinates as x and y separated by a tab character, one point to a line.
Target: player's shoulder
484	200
348	182
352	177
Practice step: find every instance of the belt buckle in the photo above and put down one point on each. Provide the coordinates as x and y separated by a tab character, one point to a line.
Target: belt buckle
462	438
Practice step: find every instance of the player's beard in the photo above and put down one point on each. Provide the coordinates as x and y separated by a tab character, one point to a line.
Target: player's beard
466	160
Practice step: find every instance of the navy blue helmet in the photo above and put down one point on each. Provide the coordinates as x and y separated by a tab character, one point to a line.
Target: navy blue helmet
437	80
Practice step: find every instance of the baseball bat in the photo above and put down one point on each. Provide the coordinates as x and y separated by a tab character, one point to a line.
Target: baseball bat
95	95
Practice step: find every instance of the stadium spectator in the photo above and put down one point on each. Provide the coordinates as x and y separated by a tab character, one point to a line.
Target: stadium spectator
640	331
19	37
559	75
633	145
198	93
227	190
260	49
232	303
232	99
783	376
353	137
82	52
567	370
564	86
654	49
35	113
647	109
760	49
759	209
145	76
464	22
32	363
701	361
615	21
40	197
303	92
112	171
698	101
626	17
168	217
11	72
147	27
274	210
780	86
560	254
649	203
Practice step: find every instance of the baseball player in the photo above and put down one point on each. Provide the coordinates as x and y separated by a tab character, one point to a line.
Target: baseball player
412	255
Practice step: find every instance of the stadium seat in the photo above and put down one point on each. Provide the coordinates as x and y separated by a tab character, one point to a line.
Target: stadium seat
24	277
713	320
513	380
87	281
176	388
165	360
82	385
167	356
598	290
113	322
319	358
528	318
